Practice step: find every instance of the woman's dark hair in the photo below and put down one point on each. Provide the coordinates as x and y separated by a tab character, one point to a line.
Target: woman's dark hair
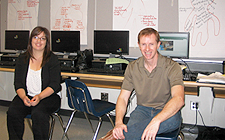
46	54
148	31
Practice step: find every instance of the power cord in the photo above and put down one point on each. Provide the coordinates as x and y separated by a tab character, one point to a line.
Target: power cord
186	65
196	112
201	118
196	121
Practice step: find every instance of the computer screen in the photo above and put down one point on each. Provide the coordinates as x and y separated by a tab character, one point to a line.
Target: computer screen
111	42
174	44
65	41
16	39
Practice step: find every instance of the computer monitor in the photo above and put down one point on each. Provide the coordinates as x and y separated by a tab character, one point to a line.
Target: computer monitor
16	40
65	41
111	42
174	44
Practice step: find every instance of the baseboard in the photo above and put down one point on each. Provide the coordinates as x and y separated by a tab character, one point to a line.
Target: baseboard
5	103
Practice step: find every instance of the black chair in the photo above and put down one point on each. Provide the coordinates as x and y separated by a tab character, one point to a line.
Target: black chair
79	99
52	124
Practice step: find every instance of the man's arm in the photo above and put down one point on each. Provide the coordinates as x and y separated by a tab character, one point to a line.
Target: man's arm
170	109
121	107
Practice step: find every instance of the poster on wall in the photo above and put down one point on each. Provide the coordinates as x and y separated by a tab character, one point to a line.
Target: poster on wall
204	20
134	15
22	14
69	15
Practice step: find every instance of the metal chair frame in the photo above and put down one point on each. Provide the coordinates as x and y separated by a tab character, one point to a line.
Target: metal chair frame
52	124
88	110
174	135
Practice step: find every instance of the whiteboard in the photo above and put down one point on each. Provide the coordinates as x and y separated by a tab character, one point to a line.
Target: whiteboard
134	15
22	14
69	15
205	22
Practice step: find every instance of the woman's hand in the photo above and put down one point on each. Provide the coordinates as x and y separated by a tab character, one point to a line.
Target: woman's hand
35	100
26	101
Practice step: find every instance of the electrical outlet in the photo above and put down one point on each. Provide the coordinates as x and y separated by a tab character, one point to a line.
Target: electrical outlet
104	96
194	105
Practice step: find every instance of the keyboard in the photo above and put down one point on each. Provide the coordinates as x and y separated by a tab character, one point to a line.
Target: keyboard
7	63
106	71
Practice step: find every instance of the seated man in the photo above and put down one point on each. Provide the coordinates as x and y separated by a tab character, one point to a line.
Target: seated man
158	82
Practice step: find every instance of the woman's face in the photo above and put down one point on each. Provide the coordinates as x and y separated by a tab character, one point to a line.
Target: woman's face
39	42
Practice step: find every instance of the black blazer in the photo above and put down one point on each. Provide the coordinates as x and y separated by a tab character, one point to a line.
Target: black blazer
50	74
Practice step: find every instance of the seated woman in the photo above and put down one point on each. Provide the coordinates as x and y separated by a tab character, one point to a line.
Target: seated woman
37	84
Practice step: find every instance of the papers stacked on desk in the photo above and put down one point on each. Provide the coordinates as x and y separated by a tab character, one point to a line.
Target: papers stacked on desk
214	78
116	61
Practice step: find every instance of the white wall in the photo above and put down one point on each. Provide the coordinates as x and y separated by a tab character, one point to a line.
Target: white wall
7	91
212	109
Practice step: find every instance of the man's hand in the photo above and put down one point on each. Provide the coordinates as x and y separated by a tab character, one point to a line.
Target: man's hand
151	130
118	131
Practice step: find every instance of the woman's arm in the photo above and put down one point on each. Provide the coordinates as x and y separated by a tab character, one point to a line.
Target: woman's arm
45	93
21	93
52	74
20	73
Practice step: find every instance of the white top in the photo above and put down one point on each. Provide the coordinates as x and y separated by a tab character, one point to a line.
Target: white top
33	82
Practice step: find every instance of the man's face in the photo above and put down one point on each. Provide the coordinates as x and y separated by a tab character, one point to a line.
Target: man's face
148	46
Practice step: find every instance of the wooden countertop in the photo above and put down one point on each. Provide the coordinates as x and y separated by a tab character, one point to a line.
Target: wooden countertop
115	82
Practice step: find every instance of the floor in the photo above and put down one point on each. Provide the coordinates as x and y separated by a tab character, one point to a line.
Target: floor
79	129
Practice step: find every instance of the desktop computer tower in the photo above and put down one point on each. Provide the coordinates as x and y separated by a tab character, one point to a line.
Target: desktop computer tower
67	64
119	66
97	63
9	57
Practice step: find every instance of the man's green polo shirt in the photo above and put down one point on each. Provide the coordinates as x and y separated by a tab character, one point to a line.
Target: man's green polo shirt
152	89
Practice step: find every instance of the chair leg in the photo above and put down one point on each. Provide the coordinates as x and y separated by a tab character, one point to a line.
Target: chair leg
51	127
85	114
180	136
29	123
110	119
97	129
68	124
61	122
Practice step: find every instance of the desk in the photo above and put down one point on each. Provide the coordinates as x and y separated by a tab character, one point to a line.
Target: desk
104	81
115	82
213	116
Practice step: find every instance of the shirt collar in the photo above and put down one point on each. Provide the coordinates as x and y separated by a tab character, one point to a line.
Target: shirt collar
159	61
